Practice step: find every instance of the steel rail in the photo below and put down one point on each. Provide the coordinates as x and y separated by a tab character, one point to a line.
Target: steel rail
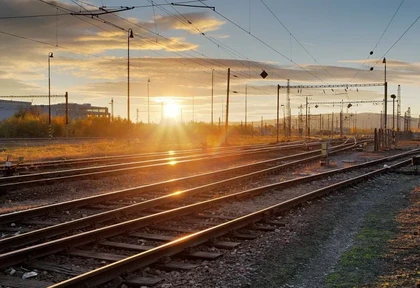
111	271
131	164
59	229
16	216
64	175
58	245
107	170
146	156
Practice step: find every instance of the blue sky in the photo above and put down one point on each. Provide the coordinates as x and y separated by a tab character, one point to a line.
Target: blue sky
90	56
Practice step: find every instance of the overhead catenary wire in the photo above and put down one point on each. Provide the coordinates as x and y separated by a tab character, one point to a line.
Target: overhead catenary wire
81	18
108	23
148	30
377	43
399	38
219	44
264	43
293	36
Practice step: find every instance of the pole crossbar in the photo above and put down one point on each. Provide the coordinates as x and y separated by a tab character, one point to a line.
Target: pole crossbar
31	96
332	86
349	102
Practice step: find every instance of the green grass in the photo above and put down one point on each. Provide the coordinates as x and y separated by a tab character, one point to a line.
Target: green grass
362	263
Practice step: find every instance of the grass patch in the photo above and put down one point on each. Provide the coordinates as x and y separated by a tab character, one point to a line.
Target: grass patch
364	261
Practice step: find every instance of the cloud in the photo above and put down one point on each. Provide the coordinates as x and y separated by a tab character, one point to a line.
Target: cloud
195	23
91	57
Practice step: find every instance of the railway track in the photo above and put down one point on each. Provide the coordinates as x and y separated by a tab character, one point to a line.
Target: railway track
194	237
104	207
8	184
90	161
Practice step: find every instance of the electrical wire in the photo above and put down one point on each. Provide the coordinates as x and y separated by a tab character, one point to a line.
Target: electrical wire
33	16
392	46
293	36
376	45
264	43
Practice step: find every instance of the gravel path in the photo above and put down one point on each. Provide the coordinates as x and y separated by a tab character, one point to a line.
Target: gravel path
308	248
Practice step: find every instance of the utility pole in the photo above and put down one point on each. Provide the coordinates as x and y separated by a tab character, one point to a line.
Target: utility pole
309	121
130	35
246	106
328	122
227	107
300	120
306	125
112	109
341	120
212	96
278	108
288	111
137	116
148	101
385	108
320	124
399	108
193	108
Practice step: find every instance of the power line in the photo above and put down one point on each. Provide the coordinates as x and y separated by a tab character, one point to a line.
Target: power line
376	45
264	43
33	16
293	36
412	24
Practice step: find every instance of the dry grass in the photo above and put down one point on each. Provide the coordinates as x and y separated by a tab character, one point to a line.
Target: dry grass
38	152
404	253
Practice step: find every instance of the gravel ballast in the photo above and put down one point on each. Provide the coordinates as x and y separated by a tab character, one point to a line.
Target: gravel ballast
308	249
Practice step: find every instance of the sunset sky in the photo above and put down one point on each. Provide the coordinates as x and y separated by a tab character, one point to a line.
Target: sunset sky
310	42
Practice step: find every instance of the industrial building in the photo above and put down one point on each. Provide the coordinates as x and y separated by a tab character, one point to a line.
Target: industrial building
8	108
76	111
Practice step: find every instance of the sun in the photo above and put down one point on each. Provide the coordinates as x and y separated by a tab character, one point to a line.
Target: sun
171	110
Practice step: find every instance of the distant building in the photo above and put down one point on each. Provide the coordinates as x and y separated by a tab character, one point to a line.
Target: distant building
76	111
8	108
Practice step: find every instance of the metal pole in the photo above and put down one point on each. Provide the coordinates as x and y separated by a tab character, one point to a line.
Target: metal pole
393	96
49	92
278	108
212	95
112	109
227	107
50	55
148	102
307	128
130	35
385	105
67	114
393	113
246	105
